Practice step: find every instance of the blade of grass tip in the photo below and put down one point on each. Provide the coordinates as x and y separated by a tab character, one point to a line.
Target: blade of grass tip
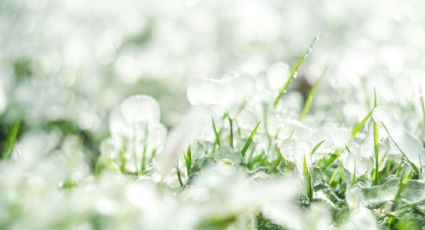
293	73
307	178
250	139
403	182
145	149
11	139
317	146
359	127
309	100
375	100
188	160
231	129
179	177
376	142
217	135
415	168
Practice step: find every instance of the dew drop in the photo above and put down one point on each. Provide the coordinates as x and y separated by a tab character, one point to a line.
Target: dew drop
140	108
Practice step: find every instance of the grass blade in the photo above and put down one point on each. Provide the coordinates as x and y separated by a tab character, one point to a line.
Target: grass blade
179	176
403	182
293	73
330	160
250	139
359	127
11	139
231	128
376	142
307	179
188	160
317	146
376	150
216	133
309	100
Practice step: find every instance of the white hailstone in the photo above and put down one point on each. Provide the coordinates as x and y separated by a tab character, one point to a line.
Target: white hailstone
117	124
410	145
358	164
140	108
247	119
242	85
338	136
207	91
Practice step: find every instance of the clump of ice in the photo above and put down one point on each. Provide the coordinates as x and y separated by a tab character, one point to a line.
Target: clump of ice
140	108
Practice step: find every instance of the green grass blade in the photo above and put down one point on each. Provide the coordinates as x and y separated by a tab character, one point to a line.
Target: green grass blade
376	150
179	176
293	73
216	133
375	100
11	139
333	178
231	128
359	127
188	160
307	179
403	182
309	100
317	146
250	139
330	160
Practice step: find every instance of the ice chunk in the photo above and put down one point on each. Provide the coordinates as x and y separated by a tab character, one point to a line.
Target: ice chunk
140	108
408	144
206	91
360	218
180	137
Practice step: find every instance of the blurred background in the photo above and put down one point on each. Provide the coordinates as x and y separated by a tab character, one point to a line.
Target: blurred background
64	65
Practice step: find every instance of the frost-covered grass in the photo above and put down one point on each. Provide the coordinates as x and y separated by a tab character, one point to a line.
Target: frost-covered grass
105	122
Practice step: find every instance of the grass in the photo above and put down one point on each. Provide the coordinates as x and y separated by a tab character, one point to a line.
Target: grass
293	73
325	175
11	139
376	145
312	92
250	139
307	179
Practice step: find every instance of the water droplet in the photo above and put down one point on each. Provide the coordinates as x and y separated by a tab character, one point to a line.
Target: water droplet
140	108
